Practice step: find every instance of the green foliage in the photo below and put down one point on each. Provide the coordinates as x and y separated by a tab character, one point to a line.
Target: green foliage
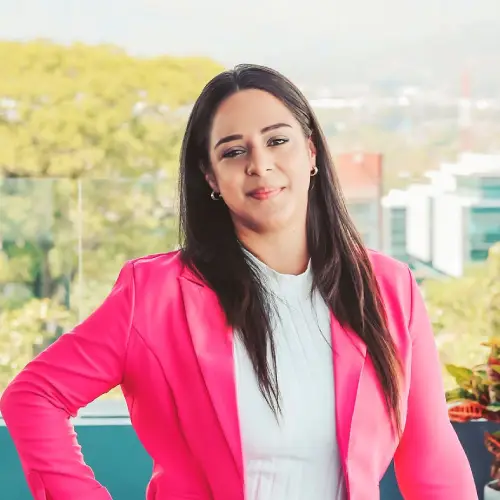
79	110
473	384
477	391
89	141
465	312
477	395
25	330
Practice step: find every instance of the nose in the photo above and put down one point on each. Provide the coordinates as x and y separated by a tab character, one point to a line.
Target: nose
261	161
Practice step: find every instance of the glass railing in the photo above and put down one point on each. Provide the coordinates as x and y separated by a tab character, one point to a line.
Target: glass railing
62	243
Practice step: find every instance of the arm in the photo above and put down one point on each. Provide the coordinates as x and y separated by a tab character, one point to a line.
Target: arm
430	462
37	405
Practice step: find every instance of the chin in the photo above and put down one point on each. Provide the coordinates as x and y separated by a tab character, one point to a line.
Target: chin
272	223
267	221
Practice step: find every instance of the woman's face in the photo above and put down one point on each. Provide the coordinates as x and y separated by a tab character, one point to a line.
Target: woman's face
261	162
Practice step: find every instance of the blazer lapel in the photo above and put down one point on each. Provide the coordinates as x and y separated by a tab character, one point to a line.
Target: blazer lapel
349	354
213	343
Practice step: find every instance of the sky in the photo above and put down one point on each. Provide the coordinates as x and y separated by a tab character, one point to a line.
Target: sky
261	31
225	30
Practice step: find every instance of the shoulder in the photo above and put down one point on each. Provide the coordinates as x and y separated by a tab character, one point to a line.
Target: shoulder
389	271
396	282
156	268
170	261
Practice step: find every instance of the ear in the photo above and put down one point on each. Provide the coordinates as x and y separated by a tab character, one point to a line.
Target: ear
210	178
312	151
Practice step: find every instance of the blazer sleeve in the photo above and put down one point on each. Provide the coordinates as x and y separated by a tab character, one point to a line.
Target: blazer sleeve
430	462
76	369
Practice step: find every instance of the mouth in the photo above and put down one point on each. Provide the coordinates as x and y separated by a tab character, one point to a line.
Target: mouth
264	193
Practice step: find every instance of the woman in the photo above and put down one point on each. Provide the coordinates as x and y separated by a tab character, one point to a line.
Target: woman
273	357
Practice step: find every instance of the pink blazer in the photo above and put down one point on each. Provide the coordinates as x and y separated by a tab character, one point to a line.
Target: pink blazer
162	336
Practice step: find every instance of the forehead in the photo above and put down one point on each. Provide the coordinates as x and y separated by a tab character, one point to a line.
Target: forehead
247	112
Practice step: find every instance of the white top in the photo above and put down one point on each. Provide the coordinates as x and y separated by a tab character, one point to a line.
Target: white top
297	458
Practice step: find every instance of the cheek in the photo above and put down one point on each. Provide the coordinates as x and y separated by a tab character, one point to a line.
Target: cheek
231	182
297	161
299	173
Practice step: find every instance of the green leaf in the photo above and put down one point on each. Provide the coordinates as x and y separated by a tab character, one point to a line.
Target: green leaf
458	394
461	374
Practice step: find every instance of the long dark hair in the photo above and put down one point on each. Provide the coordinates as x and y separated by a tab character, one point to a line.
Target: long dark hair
341	267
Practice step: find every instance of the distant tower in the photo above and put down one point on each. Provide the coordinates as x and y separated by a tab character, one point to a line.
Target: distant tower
464	113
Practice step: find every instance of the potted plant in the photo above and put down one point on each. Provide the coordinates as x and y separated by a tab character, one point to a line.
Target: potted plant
477	397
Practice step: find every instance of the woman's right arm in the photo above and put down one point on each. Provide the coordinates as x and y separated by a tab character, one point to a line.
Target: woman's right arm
76	369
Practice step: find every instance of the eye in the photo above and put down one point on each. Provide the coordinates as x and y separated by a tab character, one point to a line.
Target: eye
277	141
233	153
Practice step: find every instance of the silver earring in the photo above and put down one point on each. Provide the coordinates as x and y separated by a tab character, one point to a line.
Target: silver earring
314	171
215	196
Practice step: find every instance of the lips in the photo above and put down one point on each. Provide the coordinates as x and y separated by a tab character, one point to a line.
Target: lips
264	193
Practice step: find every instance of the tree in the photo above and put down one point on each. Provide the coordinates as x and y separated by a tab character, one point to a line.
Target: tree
25	330
466	311
92	111
89	141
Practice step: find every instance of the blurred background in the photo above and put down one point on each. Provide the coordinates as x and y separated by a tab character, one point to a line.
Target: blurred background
94	97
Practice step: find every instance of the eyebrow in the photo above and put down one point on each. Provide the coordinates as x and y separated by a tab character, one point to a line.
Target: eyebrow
236	137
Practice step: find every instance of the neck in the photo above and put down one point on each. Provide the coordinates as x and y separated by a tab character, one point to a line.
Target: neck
285	251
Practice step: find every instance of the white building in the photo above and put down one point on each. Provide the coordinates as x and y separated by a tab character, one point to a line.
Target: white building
453	221
394	207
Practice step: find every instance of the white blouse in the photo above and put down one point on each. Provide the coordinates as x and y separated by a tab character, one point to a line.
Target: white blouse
296	457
